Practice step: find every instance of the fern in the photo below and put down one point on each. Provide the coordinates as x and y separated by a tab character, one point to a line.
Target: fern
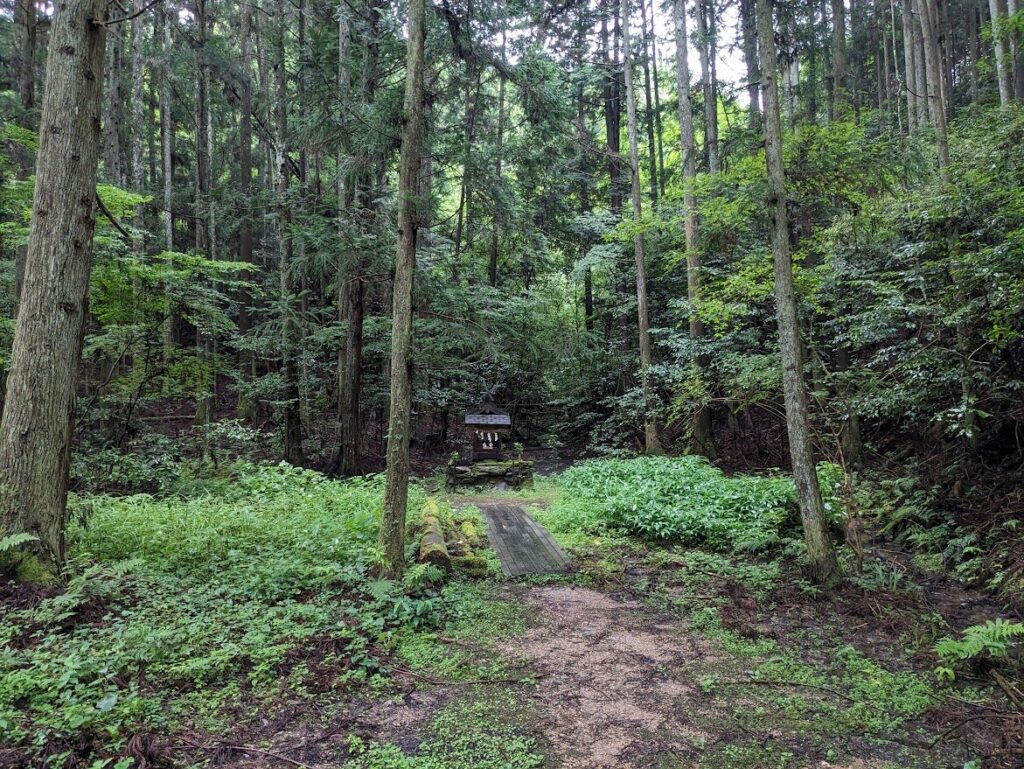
993	640
12	541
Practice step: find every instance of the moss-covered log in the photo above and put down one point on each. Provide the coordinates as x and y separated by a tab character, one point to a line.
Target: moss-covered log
432	545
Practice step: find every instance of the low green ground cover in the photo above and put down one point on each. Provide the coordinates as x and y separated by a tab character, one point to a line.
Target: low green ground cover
682	499
181	606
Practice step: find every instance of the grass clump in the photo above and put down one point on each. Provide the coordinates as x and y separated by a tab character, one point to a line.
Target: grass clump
181	607
682	499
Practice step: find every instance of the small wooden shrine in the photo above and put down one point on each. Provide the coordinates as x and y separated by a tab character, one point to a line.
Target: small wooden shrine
487	430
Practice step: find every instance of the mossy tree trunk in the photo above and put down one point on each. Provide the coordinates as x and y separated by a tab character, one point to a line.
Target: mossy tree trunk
35	431
396	494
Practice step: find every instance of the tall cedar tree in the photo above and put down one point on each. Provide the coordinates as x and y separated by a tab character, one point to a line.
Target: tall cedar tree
35	431
396	494
812	512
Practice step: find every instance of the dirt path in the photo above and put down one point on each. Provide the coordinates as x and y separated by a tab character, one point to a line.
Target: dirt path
610	694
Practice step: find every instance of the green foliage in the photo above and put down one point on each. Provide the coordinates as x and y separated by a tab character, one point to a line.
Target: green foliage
995	639
191	601
684	499
481	733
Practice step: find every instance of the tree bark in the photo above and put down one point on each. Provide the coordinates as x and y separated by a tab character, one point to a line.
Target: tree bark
930	36
138	119
703	441
707	49
27	25
396	494
35	430
291	418
910	72
748	29
1016	55
1001	44
652	153
839	90
245	406
652	445
819	546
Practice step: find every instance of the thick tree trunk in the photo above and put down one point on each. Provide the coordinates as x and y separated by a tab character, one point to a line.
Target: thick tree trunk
396	494
612	117
930	35
703	441
920	72
819	546
1001	44
651	443
35	430
973	47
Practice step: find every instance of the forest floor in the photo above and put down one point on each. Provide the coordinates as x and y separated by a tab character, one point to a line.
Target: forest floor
651	657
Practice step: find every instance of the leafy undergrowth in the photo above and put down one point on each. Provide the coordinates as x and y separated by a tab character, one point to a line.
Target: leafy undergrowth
682	499
478	731
192	610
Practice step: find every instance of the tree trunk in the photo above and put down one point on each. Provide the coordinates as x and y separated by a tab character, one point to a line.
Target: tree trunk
920	73
703	441
112	171
657	104
748	30
245	408
652	153
930	35
839	92
1016	54
396	495
651	443
138	119
1000	42
819	547
35	430
707	49
492	262
27	25
291	419
612	117
972	46
910	72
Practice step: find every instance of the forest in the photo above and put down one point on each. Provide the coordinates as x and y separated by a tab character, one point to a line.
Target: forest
511	384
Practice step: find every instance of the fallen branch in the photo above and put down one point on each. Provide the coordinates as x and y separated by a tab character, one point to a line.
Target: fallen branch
242	749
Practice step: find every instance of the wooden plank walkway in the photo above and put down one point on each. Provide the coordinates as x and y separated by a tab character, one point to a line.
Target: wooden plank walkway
522	544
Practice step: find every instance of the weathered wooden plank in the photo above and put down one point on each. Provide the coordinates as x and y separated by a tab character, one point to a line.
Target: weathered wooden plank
523	545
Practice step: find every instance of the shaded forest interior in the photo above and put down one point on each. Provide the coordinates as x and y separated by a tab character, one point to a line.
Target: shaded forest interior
772	248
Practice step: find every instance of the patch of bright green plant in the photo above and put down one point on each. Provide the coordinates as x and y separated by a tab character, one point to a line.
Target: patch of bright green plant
683	499
175	604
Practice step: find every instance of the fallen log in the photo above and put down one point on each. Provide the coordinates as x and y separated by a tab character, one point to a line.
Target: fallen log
432	547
